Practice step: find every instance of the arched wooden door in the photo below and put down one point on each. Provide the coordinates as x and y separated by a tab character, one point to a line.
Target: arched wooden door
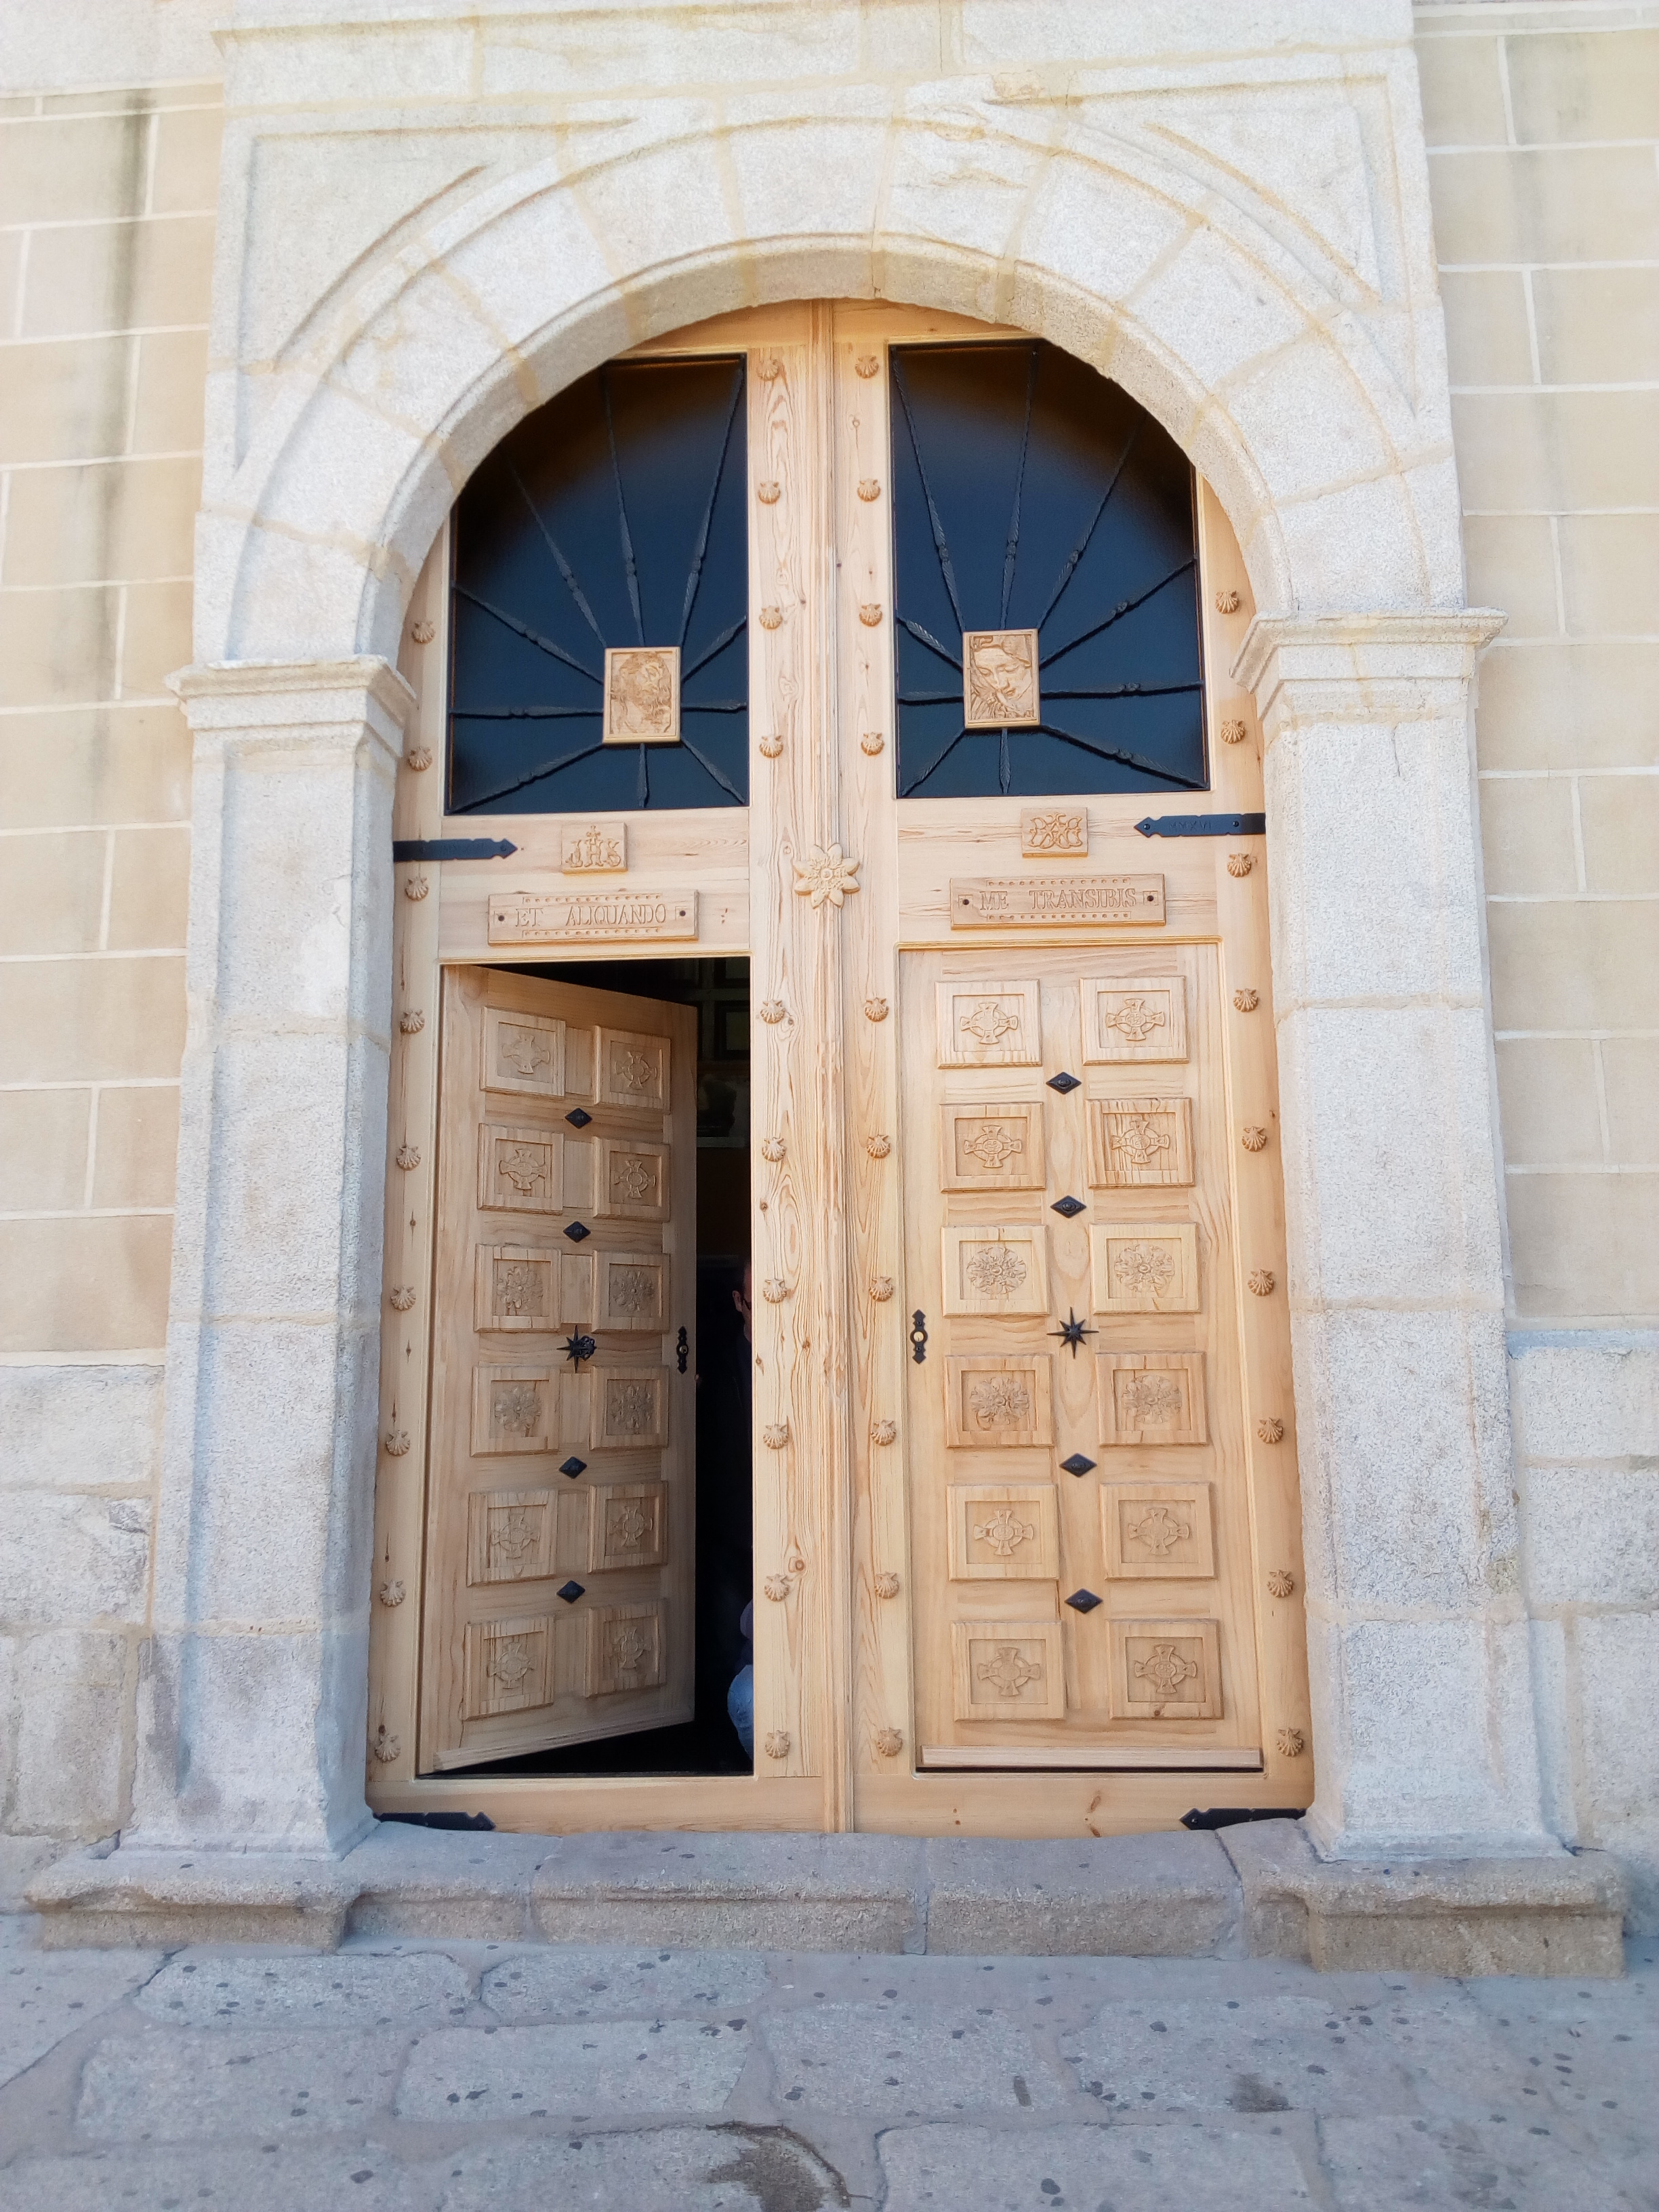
1025	1476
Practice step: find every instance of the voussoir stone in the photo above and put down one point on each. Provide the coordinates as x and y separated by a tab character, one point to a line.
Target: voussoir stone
1153	1897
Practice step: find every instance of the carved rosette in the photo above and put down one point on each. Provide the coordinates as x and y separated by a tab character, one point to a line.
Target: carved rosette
826	875
1281	1583
883	1433
888	1742
1261	1282
777	1743
887	1583
777	1588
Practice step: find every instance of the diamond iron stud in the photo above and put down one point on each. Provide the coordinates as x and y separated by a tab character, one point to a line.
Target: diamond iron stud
1083	1601
1067	1206
1063	1083
573	1467
1077	1464
578	1118
570	1592
578	1232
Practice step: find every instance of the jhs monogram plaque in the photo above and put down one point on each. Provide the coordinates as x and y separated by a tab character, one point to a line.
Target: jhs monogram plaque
565	917
1043	901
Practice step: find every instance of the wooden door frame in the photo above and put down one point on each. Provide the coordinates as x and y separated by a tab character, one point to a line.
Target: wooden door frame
833	1656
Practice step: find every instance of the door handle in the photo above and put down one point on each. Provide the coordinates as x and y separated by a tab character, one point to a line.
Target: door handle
918	1337
682	1351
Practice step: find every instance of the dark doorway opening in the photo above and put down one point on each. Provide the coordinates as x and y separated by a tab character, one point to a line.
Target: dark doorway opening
708	1743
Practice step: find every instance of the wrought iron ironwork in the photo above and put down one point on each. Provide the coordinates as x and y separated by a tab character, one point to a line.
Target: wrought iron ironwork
1063	1082
579	1117
578	1232
572	1466
1203	825
682	1351
1069	1207
918	1337
571	1591
1077	1464
451	849
578	1347
1083	1601
1072	1332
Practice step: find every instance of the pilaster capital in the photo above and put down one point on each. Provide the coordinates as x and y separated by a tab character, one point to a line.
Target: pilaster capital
1357	665
286	699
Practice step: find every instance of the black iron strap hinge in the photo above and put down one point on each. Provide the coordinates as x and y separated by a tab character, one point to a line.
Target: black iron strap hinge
1203	825
451	848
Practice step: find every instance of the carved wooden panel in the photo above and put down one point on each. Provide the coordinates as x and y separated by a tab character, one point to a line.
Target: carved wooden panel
633	1180
517	1536
1052	832
514	1409
642	694
633	1070
1135	1017
995	1270
1007	1670
1151	1398
588	849
993	1403
1158	1529
629	1525
520	1170
1004	1532
1165	1670
1141	1143
990	1026
1001	686
630	1409
991	1147
532	1287
507	1665
1148	1267
625	1647
522	1053
632	1290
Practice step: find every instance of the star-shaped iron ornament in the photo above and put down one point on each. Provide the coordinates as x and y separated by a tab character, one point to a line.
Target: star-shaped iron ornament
1068	1205
1083	1601
1063	1083
578	1117
570	1592
578	1232
572	1466
1071	1332
578	1348
1077	1464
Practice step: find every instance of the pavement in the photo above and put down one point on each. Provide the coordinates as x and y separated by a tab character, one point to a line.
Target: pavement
411	2076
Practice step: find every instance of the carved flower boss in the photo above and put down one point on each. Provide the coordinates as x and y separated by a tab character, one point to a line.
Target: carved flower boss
825	874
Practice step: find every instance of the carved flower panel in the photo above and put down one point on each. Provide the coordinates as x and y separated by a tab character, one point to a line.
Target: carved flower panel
991	1147
629	1525
994	1403
1157	1530
1165	1670
507	1665
1011	1670
513	1409
1000	1270
1134	1018
1138	1144
519	1170
1151	1398
532	1287
625	1648
1003	1532
632	1290
522	1053
989	1024
1145	1267
630	1409
633	1070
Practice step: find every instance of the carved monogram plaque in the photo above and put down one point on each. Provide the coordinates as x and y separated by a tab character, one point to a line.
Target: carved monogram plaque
568	917
592	848
1000	688
1007	1670
1051	901
1051	831
1165	1670
642	694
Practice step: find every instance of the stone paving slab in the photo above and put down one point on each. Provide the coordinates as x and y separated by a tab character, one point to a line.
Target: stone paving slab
599	2068
158	2084
42	2000
1196	2169
344	1989
570	1981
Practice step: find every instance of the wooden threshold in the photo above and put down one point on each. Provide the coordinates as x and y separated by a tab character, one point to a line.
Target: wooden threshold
1083	1759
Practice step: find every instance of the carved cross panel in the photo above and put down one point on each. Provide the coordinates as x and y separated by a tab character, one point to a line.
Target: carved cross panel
1138	1144
624	1648
630	1526
1165	1670
984	1025
633	1071
520	1170
1153	1531
507	1665
1135	1017
522	1053
1007	1670
1004	1532
991	1147
633	1180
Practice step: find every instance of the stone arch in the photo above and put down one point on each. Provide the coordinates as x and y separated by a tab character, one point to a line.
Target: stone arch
1278	367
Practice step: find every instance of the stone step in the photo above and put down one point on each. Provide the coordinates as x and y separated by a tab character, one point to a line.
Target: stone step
1252	1891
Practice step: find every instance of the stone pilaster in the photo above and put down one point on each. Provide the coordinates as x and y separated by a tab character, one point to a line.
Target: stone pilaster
1418	1641
252	1717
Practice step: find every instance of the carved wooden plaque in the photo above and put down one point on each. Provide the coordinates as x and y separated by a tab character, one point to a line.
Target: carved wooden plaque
1050	832
522	1053
1157	1530
594	849
514	1409
532	1287
1145	1267
1138	1143
1165	1670
987	1024
1007	1670
1151	1398
1051	901
634	1181
511	1534
991	1147
519	1170
995	1270
993	1403
642	694
1004	1532
507	1665
629	1527
1135	1017
633	1070
1000	689
624	1648
632	1290
572	917
630	1409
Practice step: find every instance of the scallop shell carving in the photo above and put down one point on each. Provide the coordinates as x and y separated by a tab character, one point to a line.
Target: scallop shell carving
1228	603
777	1588
771	747
881	1289
1255	1141
875	1010
767	494
772	1148
883	1433
396	1443
1233	733
403	1297
770	618
887	1584
1240	863
416	887
777	1744
392	1594
384	1748
870	615
1247	1001
423	631
408	1157
420	758
411	1021
775	1434
1272	1432
869	488
1292	1743
872	742
1261	1282
866	364
1281	1581
771	1009
769	367
890	1743
774	1289
877	1147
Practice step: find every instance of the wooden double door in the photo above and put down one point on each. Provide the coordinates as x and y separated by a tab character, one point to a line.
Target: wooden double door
1026	1521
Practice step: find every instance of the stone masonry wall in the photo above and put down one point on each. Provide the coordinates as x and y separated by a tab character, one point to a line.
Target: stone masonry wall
107	223
1543	129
